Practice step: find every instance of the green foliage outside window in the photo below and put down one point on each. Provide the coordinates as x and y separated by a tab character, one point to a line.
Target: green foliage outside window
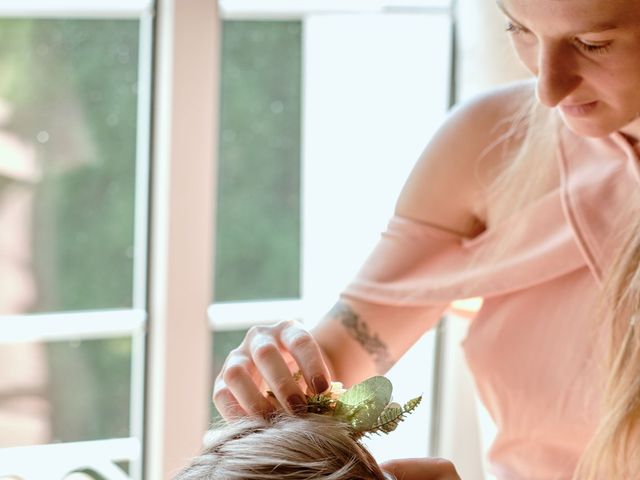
258	215
71	86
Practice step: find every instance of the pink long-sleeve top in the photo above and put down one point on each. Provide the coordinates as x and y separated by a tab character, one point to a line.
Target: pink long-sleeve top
536	350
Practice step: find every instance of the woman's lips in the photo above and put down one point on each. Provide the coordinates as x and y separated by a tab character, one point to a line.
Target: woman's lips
578	110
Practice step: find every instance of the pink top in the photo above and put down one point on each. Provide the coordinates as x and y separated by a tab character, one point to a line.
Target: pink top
535	350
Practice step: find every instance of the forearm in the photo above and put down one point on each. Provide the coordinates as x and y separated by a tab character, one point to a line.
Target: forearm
352	351
363	339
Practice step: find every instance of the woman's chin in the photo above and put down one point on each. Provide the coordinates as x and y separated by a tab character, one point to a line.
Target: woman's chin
588	127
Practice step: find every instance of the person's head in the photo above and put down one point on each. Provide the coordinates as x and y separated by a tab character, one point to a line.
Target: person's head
585	55
296	448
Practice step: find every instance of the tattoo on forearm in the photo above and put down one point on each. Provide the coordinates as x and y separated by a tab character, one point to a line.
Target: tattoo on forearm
360	332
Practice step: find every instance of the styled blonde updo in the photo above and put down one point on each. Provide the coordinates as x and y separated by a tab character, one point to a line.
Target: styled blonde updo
311	447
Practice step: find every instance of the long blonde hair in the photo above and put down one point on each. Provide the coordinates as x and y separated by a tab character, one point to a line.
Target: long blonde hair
614	450
313	447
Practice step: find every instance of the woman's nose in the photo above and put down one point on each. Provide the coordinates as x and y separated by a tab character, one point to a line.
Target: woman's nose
557	74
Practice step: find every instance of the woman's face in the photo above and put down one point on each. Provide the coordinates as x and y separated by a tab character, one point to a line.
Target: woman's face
586	57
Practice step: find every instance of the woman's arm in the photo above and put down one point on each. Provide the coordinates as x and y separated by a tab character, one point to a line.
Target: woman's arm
445	190
359	339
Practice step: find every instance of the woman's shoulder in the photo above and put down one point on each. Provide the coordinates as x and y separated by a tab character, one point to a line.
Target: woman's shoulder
491	114
447	185
506	98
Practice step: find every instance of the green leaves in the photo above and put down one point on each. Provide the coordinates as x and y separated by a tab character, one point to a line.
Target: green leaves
362	404
366	407
393	414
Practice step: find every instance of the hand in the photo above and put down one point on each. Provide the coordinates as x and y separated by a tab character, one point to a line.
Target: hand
265	360
421	469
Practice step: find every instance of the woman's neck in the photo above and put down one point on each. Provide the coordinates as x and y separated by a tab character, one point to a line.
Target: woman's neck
632	131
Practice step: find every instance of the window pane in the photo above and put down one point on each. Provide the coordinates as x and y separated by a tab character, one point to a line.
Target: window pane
67	163
64	391
258	218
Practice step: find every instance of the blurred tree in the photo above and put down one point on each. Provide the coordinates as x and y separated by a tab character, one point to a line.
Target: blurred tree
258	216
72	86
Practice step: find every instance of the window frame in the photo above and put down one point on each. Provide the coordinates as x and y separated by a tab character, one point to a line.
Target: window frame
241	315
105	323
76	8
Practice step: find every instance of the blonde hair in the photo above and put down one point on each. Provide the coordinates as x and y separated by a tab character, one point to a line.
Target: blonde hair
313	447
615	449
528	172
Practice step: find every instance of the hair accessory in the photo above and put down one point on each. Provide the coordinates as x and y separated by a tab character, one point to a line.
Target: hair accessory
366	406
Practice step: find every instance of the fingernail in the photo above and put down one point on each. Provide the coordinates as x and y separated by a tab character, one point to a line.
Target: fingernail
389	476
297	403
320	384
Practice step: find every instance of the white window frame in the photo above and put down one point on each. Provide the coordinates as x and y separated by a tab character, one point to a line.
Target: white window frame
99	455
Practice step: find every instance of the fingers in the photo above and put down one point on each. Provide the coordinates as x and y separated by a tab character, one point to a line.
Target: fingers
225	402
262	358
306	352
238	373
421	469
268	359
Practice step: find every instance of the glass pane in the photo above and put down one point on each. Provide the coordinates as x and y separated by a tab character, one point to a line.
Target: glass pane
258	218
67	163
64	391
223	343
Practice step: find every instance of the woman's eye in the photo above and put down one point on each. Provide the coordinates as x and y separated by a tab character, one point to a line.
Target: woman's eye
593	48
513	28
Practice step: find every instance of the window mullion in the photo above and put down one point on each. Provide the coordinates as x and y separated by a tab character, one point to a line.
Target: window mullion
182	198
88	325
75	8
242	315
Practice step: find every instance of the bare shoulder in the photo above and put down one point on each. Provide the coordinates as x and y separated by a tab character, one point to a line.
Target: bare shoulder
446	186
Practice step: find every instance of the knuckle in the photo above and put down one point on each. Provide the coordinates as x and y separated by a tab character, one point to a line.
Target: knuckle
286	323
445	464
301	341
236	352
282	385
252	332
220	396
264	351
234	373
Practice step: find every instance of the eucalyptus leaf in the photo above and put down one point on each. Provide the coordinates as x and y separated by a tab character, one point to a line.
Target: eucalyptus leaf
362	404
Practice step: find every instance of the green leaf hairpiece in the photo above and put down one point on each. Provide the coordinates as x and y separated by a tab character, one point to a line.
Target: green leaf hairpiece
365	407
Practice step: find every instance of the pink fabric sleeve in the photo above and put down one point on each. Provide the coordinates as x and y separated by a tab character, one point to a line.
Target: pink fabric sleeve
416	264
416	270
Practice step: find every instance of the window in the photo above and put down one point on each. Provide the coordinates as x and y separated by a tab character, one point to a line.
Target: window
74	116
105	277
365	114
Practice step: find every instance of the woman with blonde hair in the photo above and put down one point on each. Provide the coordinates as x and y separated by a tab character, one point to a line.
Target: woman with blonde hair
529	197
